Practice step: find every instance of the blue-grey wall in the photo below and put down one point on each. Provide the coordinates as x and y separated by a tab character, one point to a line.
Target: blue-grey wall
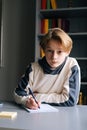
18	44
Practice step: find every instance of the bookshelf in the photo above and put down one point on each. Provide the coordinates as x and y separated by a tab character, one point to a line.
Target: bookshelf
76	14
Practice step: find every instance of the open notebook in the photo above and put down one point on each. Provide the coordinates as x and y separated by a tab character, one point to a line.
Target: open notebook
43	108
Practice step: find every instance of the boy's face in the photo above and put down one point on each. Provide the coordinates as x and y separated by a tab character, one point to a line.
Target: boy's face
55	54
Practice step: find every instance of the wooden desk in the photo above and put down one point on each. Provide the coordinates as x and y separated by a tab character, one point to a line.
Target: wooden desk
67	118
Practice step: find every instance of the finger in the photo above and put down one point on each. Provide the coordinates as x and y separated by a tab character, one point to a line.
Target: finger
33	103
34	108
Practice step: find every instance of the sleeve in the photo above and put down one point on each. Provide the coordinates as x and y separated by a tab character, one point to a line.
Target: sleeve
21	92
68	97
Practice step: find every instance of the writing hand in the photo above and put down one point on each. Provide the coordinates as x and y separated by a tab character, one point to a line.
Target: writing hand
32	104
31	93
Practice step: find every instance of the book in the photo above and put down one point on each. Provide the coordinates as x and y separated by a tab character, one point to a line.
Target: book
53	4
70	3
80	99
43	4
43	108
7	114
54	23
48	4
59	22
44	26
64	24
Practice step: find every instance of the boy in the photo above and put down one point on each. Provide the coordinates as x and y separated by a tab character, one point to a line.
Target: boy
54	79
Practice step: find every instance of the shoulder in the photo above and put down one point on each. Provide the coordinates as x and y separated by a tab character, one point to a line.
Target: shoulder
72	61
32	66
35	66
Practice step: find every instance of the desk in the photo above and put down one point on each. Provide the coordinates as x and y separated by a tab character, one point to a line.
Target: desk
67	118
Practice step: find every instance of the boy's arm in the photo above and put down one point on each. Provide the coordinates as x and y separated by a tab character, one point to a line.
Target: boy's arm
21	93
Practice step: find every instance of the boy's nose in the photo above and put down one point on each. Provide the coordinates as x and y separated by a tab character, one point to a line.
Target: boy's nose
54	55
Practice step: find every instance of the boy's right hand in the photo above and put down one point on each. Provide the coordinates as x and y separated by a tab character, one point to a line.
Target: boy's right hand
31	104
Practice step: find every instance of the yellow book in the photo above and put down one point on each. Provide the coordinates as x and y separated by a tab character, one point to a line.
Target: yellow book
53	4
46	25
6	114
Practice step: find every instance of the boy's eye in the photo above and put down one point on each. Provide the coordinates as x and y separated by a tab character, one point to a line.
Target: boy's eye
49	51
58	52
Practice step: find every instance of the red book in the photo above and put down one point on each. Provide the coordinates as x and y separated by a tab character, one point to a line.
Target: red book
43	4
42	25
53	23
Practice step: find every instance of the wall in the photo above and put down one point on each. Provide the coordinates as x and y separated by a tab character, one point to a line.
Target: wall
18	43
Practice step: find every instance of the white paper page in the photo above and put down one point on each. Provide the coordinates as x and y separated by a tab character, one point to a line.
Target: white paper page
43	108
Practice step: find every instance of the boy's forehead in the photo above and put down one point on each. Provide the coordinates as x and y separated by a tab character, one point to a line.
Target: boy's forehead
54	47
54	43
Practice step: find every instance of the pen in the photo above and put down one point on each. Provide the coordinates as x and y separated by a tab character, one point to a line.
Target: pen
25	108
30	92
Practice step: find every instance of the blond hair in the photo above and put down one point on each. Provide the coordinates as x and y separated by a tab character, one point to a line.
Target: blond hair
59	35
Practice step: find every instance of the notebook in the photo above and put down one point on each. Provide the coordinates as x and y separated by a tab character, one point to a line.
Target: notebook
43	108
